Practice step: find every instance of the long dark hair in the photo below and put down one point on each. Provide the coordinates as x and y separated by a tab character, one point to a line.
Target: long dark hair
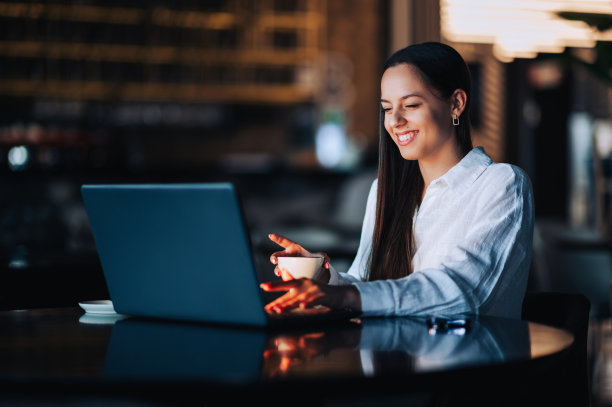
400	183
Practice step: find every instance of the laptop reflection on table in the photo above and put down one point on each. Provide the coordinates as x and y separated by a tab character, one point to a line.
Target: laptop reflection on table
142	349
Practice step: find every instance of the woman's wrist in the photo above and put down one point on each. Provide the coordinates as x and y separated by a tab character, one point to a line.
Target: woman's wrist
323	276
350	298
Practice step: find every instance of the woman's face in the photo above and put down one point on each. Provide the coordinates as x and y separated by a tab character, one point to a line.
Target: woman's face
419	122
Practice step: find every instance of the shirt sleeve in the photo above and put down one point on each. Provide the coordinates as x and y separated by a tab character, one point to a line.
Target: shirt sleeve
359	267
491	258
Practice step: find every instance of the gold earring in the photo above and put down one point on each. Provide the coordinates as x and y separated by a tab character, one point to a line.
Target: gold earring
455	120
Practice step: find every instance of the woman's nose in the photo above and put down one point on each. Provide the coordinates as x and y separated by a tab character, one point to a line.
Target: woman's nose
396	118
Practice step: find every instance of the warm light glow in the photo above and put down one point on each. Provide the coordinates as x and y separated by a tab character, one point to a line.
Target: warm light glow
555	340
521	28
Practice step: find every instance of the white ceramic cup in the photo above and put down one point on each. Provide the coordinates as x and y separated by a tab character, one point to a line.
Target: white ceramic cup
301	267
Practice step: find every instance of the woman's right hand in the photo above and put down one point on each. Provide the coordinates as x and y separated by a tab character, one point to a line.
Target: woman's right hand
294	249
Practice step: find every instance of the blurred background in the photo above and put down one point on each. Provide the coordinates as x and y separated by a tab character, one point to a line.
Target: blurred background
280	97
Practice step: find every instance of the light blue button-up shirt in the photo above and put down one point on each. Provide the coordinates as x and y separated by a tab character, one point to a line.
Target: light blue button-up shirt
473	236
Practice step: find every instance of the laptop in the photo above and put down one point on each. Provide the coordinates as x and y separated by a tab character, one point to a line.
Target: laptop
181	252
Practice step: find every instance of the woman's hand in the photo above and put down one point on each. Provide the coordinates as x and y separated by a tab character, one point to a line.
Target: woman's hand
294	249
288	351
307	293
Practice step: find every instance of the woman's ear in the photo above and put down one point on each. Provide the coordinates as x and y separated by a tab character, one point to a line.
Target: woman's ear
458	102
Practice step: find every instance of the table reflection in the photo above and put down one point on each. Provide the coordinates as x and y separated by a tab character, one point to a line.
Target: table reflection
170	363
144	349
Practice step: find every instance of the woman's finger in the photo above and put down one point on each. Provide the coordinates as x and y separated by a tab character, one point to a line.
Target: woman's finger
291	301
284	242
278	305
283	273
274	257
288	301
305	299
279	285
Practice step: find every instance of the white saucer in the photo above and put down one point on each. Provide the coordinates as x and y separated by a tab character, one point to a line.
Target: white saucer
100	307
100	319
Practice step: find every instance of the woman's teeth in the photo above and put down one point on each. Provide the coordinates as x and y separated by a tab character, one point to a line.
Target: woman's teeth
406	137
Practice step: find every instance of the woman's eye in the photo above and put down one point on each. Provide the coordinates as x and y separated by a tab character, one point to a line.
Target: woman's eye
411	106
386	109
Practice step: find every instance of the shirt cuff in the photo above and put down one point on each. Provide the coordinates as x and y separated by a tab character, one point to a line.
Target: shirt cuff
336	278
377	298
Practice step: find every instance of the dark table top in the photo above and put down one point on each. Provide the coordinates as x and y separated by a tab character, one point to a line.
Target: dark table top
54	351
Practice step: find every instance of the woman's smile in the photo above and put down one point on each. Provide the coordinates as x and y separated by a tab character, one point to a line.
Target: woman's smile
405	137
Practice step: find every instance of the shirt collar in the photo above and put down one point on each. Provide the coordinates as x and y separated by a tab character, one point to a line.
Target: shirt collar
465	172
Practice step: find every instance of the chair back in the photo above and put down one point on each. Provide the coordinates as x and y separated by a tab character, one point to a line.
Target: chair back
568	311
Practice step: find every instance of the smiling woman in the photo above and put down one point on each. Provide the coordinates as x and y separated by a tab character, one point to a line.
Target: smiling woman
436	114
446	230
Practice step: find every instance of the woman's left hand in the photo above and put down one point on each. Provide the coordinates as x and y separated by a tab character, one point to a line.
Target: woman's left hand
307	293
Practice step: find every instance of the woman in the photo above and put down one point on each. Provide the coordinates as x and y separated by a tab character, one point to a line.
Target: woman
446	230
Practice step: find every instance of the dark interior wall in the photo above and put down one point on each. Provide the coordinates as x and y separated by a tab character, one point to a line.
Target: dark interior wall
537	138
551	149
